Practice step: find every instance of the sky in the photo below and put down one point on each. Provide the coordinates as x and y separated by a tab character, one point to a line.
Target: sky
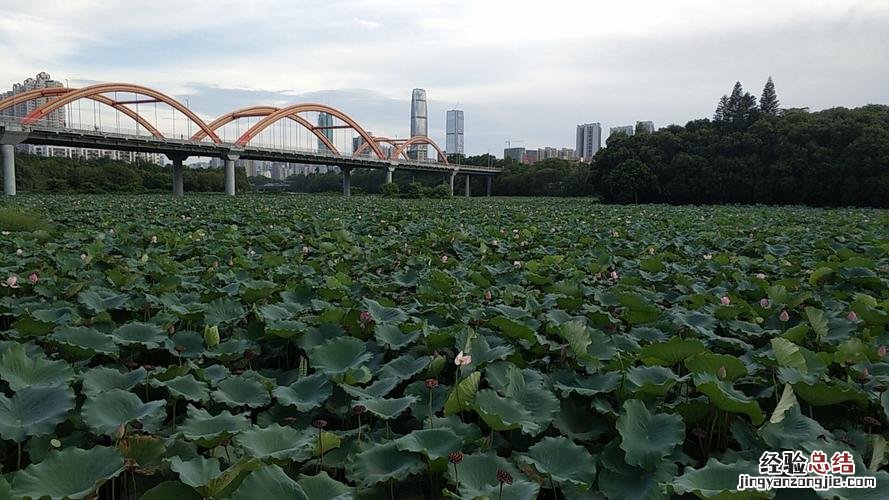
524	72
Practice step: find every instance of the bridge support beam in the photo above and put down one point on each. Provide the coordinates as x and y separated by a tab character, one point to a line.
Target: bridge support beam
178	169
488	182
451	181
8	152
389	171
347	181
229	177
467	186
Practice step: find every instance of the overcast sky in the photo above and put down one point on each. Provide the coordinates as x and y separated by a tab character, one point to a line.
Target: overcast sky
520	70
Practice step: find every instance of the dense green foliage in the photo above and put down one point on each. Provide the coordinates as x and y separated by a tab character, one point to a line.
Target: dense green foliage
37	174
266	347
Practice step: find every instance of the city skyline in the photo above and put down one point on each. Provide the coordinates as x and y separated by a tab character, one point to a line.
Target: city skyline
606	63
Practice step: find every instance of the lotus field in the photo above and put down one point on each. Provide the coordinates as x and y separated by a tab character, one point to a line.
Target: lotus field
326	348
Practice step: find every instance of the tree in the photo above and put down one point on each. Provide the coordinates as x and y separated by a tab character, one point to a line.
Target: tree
768	102
719	115
629	179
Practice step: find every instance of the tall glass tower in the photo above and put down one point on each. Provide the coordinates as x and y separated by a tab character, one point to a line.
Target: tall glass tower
419	123
325	120
454	132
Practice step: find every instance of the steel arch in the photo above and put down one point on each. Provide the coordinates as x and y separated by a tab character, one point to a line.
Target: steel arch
421	139
263	111
57	91
103	88
302	108
378	139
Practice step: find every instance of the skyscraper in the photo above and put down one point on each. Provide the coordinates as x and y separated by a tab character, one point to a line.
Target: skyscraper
454	135
645	126
43	80
419	123
325	120
589	140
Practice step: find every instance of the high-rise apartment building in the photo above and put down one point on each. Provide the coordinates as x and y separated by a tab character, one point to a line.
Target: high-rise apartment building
589	140
419	123
325	120
454	133
517	154
627	130
41	81
646	126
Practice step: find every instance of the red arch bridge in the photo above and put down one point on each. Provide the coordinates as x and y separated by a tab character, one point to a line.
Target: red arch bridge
127	117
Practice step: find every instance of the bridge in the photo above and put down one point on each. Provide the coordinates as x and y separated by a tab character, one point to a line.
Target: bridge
303	133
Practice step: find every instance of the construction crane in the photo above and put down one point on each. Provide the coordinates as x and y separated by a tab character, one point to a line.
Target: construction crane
510	141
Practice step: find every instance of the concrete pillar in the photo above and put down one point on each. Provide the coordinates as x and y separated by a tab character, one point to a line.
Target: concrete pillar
467	185
8	153
347	181
178	169
229	177
451	181
389	171
489	182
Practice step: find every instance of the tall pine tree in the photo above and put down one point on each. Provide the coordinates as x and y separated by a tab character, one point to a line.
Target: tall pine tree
719	115
768	103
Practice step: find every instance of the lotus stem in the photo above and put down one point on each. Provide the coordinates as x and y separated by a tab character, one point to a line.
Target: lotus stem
431	422
501	492
359	427
19	458
320	451
457	477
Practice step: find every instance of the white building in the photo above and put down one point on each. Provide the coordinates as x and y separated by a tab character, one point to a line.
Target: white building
589	140
454	133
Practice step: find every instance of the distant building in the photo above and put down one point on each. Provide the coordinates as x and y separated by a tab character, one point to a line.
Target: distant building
645	126
589	140
517	154
419	123
627	130
325	120
41	81
531	156
454	133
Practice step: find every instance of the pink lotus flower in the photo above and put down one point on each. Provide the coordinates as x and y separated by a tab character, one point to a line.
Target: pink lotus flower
19	252
33	278
852	316
764	303
721	372
462	360
784	316
725	300
12	282
488	295
365	318
881	351
614	275
444	259
760	276
305	250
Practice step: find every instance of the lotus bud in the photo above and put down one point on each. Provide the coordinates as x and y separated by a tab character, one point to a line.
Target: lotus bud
721	372
211	335
852	316
120	432
725	300
764	303
881	351
784	316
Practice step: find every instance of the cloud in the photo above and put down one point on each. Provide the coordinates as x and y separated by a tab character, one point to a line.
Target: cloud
520	70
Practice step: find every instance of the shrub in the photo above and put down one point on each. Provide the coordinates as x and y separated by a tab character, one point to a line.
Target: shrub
439	191
13	219
390	190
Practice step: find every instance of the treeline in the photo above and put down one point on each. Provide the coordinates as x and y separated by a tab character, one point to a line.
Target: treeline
38	174
753	153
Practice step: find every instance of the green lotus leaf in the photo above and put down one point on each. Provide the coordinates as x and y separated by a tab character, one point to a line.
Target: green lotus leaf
327	442
106	411
377	389
788	354
34	411
186	344
20	370
392	337
306	394
242	391
147	452
71	473
621	481
433	443
590	385
717	480
171	490
714	363
285	328
388	408
150	336
278	443
788	400
100	379
268	482
563	461
223	310
575	420
83	340
504	413
337	356
647	438
421	393
794	429
673	351
577	334
385	315
404	367
515	328
322	487
462	394
383	462
99	300
206	476
187	387
830	393
477	475
727	398
654	380
207	430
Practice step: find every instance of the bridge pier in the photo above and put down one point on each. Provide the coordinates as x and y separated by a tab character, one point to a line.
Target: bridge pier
467	186
488	182
178	169
451	181
347	181
230	160
389	171
8	169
